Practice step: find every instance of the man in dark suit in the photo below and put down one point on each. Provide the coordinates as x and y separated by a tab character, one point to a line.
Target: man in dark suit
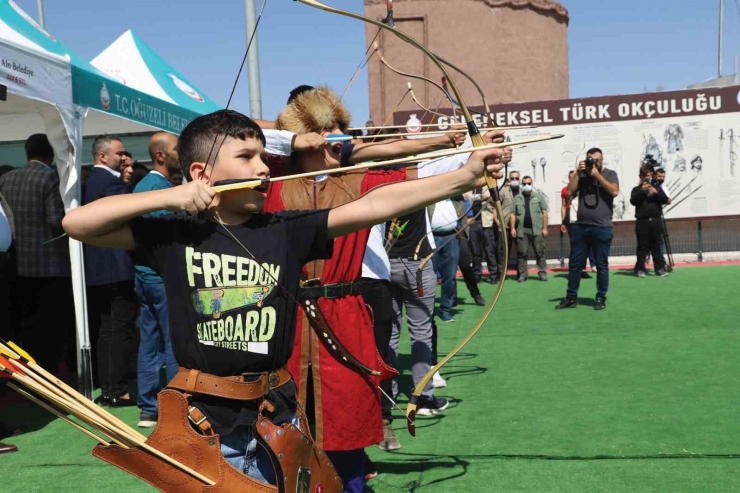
109	274
41	294
7	271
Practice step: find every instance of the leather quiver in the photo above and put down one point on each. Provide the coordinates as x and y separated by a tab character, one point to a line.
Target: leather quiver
295	456
301	466
175	437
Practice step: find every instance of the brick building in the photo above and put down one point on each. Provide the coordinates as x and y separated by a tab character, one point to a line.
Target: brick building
517	50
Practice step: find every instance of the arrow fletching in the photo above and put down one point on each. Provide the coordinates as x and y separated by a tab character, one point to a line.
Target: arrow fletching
24	355
7	352
8	366
338	138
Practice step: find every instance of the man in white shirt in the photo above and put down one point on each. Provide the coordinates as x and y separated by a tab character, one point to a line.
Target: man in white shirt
660	180
6	228
109	275
444	221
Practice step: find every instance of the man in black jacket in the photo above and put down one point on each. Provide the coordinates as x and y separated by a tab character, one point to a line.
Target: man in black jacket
648	201
109	275
7	229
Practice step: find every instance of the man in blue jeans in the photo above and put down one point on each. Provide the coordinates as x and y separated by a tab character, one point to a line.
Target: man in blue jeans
593	229
155	348
444	217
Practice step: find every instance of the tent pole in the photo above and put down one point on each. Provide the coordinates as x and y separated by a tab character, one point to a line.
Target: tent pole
42	23
253	63
721	32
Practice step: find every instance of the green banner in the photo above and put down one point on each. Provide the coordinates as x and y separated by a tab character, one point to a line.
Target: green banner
94	91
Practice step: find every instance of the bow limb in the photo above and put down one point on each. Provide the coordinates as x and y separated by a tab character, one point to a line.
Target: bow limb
427	110
413	76
473	81
454	101
413	402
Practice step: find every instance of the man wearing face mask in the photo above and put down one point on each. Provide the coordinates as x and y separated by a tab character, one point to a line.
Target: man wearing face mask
596	187
660	180
648	201
507	194
528	224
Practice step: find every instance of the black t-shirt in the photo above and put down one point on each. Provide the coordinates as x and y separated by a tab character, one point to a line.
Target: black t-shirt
228	310
595	204
527	211
416	229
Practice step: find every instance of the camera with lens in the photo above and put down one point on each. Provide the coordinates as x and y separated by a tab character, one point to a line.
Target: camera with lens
590	163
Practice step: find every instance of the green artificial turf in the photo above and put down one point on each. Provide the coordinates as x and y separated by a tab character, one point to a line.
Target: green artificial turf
641	397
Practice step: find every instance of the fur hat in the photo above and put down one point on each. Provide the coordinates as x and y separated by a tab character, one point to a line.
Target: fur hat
315	110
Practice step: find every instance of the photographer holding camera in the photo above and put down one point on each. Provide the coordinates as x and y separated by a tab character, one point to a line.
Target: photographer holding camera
596	188
648	198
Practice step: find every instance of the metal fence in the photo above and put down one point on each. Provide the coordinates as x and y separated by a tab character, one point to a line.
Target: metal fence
714	234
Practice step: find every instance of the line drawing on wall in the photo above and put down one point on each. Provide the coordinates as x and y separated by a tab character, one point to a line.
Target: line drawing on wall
674	136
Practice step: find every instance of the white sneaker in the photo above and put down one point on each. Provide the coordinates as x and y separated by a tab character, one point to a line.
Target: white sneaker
438	382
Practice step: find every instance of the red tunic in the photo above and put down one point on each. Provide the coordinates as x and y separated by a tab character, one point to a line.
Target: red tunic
347	406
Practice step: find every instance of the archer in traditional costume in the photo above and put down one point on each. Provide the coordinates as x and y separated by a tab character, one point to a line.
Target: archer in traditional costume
227	249
347	405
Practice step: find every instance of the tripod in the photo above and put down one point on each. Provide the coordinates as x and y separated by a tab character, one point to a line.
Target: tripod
667	242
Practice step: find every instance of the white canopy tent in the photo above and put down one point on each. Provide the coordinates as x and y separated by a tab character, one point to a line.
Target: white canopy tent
51	90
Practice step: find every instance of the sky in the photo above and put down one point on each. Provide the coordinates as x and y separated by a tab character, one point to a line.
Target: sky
615	46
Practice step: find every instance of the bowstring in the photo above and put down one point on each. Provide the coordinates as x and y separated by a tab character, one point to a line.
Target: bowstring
390	116
233	89
363	63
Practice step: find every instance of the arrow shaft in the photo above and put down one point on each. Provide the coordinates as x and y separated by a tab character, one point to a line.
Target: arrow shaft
392	162
436	132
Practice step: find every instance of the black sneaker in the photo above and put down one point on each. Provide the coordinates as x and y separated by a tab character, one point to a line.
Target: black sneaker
480	300
599	304
542	275
147	420
522	279
430	407
585	275
495	280
662	273
567	303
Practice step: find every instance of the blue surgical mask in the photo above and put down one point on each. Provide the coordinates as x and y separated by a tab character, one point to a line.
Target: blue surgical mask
527	188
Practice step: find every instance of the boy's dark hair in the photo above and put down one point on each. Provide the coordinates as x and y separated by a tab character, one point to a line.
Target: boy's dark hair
201	140
594	150
298	91
645	169
527	177
38	147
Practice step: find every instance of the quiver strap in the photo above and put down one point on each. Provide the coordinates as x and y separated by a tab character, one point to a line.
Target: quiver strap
333	345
